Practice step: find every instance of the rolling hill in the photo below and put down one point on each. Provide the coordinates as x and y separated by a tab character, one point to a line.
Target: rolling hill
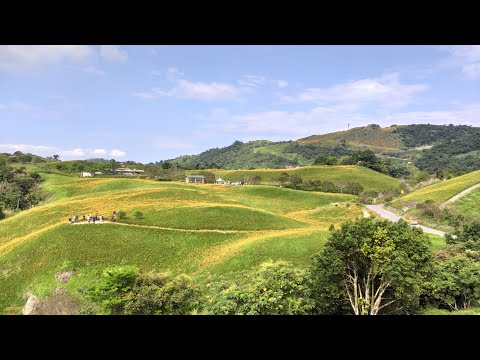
185	228
369	179
431	148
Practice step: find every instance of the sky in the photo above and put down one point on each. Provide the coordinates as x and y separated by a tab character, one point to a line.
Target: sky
149	103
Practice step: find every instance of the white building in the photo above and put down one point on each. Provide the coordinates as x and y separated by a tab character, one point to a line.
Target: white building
86	174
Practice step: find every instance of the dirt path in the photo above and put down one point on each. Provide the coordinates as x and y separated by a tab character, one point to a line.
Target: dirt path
394	217
172	229
460	195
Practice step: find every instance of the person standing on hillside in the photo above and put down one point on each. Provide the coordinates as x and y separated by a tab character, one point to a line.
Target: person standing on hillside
76	218
83	217
69	220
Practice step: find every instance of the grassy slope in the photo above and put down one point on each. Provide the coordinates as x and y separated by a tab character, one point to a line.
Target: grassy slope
469	204
376	138
277	149
371	180
212	228
442	191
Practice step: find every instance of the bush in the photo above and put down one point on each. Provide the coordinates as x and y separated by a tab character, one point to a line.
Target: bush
122	214
110	292
275	288
138	214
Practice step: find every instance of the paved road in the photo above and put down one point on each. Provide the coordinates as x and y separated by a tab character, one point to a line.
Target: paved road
462	194
394	217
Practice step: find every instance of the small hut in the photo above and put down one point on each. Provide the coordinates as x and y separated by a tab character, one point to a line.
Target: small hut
196	179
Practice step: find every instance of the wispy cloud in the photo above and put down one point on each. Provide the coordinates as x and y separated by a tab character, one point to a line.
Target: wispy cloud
93	70
99	152
285	125
113	53
185	89
76	153
174	74
15	58
117	153
18	57
252	81
282	83
465	57
385	90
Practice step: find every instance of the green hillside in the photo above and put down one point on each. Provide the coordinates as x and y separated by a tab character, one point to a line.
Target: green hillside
442	191
469	205
185	228
371	180
372	136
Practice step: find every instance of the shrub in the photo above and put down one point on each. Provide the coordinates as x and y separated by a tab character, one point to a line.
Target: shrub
138	214
122	214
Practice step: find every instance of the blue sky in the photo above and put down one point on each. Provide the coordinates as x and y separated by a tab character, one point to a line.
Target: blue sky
148	103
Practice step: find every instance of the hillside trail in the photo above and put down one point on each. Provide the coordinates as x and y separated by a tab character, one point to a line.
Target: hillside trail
386	214
171	229
460	195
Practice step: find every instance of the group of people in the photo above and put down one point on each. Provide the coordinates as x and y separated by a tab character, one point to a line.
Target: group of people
90	218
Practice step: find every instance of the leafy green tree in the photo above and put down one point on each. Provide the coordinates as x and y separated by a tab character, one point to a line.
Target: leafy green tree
456	283
110	293
161	294
331	160
56	157
320	160
274	288
372	266
138	214
122	214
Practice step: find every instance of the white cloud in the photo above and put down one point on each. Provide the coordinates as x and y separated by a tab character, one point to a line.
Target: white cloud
18	57
194	90
282	83
472	71
66	154
171	143
75	153
93	70
465	57
34	149
252	80
285	125
113	53
99	152
117	153
386	90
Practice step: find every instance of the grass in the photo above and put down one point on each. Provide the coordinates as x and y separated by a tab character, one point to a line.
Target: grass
195	229
442	191
438	242
469	204
370	180
433	311
277	149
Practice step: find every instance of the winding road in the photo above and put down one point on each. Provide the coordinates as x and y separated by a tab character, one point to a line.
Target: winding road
394	217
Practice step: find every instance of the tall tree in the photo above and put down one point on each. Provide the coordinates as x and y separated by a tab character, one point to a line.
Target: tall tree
375	266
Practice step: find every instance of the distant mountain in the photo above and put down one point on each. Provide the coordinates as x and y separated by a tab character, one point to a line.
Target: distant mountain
432	148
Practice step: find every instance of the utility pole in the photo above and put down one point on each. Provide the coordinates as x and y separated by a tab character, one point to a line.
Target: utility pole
348	126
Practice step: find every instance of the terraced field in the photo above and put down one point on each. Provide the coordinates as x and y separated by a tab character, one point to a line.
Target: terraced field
371	180
194	229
